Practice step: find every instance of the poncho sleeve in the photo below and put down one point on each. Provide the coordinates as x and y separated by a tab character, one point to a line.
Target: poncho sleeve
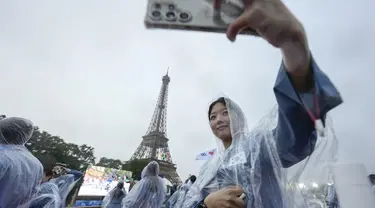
295	132
77	174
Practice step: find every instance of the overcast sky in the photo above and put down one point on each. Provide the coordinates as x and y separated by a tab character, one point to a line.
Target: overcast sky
90	72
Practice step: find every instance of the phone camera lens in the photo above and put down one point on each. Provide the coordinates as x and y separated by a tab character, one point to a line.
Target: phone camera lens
157	6
156	14
171	7
171	16
184	17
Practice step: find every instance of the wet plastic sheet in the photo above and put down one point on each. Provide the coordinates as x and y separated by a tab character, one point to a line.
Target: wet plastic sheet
310	182
174	198
115	196
48	196
20	171
15	130
263	161
149	191
65	184
180	195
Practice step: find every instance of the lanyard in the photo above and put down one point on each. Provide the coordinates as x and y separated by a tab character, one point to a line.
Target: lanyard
319	127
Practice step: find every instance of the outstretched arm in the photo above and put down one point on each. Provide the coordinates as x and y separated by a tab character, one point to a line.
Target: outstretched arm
77	174
295	134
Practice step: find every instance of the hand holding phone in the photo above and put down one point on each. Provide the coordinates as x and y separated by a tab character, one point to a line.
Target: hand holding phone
198	15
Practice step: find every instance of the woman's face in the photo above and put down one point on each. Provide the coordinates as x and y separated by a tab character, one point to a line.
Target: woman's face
219	122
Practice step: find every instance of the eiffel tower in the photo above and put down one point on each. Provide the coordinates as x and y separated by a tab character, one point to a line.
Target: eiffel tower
154	145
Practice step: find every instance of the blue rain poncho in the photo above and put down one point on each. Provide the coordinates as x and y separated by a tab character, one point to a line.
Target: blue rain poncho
114	198
175	196
149	191
173	199
65	184
180	195
257	160
48	196
20	171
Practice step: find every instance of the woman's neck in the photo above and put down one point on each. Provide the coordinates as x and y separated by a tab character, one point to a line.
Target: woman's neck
227	143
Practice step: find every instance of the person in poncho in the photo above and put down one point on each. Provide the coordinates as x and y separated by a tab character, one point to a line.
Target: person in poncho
20	171
149	191
179	196
115	196
248	168
48	196
254	161
65	179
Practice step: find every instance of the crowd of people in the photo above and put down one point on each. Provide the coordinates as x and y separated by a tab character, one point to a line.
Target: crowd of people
24	182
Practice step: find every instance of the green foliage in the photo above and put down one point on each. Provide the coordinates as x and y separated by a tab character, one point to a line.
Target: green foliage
135	166
110	163
51	149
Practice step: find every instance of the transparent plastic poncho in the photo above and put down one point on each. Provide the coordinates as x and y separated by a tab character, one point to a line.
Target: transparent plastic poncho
115	196
180	196
20	171
149	191
253	163
174	198
65	184
310	182
48	196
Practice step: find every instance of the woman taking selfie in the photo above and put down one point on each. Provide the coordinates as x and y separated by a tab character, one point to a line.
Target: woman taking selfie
248	168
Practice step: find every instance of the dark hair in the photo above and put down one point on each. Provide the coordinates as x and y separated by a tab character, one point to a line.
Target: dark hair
48	172
120	185
193	178
372	178
118	192
173	189
220	100
48	162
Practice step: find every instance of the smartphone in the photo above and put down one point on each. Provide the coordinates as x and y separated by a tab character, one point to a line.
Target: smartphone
194	15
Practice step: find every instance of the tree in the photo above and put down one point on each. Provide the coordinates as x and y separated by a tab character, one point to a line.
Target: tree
110	163
135	166
52	148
